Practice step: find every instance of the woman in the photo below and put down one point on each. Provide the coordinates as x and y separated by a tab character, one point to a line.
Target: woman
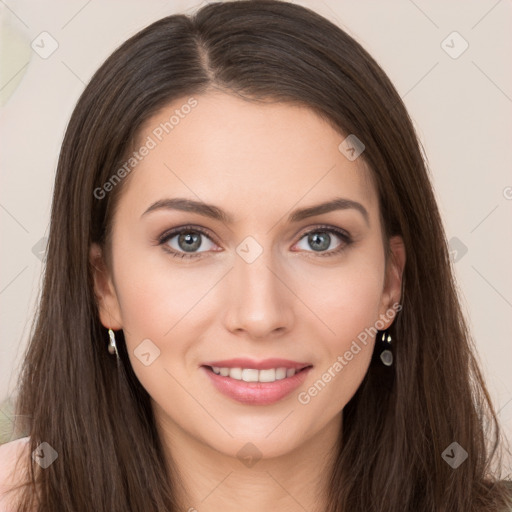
243	216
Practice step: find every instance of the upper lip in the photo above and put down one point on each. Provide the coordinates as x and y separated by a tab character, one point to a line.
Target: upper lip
265	364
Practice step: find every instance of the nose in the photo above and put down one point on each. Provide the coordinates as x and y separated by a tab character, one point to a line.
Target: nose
260	300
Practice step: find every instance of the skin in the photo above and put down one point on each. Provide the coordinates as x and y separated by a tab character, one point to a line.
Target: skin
258	162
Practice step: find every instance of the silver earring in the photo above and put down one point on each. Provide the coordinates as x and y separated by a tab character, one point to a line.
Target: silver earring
112	347
386	356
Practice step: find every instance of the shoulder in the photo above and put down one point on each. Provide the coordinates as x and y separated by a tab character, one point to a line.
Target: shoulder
11	472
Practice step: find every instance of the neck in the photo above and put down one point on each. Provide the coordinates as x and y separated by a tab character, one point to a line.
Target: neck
210	480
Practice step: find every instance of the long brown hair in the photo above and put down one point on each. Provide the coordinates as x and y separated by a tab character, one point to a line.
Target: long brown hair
97	415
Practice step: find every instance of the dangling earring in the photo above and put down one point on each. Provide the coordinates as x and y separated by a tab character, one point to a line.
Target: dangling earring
386	356
112	347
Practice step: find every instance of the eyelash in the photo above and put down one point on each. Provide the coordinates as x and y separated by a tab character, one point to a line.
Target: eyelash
165	237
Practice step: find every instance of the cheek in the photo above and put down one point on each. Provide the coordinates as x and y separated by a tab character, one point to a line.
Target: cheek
158	304
347	303
345	299
154	293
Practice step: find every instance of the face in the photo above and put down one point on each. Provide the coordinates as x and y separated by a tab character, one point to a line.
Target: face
189	289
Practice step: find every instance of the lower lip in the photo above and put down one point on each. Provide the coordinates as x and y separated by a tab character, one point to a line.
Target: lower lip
257	393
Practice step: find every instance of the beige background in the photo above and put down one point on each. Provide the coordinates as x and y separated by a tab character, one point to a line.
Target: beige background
461	107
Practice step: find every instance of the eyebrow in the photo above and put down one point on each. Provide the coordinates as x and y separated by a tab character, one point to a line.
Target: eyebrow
216	213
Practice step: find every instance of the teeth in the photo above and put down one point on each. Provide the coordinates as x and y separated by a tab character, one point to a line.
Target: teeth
252	375
280	373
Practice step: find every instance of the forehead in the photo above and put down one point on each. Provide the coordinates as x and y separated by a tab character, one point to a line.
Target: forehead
226	150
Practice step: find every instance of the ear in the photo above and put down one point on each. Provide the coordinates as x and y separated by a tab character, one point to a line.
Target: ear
392	292
104	290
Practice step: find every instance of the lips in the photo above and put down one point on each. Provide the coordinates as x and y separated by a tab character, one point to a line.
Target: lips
266	364
241	387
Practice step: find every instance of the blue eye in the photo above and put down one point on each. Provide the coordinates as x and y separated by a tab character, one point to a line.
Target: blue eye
321	243
189	240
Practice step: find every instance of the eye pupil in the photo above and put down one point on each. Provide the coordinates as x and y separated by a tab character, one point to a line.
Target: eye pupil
191	240
313	239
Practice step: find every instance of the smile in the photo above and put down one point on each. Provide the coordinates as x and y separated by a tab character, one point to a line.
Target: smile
256	387
254	375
